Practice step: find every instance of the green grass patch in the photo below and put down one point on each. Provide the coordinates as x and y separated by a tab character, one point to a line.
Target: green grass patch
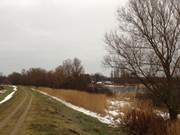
8	91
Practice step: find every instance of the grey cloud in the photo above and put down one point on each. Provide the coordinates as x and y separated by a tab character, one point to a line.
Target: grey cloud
42	33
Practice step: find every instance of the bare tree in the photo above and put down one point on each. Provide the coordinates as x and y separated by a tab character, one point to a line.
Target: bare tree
67	67
146	44
77	68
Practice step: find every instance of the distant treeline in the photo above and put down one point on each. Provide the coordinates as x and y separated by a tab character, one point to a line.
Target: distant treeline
69	75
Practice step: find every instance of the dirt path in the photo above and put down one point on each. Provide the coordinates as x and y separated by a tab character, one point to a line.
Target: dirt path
21	119
13	119
4	122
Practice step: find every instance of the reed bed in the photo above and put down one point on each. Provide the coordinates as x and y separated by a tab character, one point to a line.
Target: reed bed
143	120
90	101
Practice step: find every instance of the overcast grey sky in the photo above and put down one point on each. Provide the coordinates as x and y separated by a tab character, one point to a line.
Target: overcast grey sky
42	33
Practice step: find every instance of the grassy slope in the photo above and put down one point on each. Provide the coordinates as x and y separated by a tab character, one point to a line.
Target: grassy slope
49	117
9	90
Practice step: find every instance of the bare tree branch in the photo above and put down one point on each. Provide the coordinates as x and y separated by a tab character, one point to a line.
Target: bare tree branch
147	44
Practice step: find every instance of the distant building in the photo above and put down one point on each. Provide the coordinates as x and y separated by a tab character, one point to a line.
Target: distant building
108	83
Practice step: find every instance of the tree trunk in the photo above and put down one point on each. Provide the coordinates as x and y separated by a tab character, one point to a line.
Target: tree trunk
173	114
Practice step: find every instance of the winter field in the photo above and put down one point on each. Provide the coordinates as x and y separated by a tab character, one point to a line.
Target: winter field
111	108
106	107
114	109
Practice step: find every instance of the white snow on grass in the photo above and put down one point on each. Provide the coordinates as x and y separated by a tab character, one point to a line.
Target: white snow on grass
119	104
164	115
113	113
8	97
107	119
115	110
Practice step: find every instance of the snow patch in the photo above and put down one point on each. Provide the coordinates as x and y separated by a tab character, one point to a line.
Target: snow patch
115	110
113	113
8	97
164	115
119	104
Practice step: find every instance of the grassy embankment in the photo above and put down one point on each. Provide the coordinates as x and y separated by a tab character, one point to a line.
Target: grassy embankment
49	117
54	118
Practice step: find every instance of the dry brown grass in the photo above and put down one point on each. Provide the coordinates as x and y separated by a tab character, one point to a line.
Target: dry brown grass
173	128
144	121
93	102
127	96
